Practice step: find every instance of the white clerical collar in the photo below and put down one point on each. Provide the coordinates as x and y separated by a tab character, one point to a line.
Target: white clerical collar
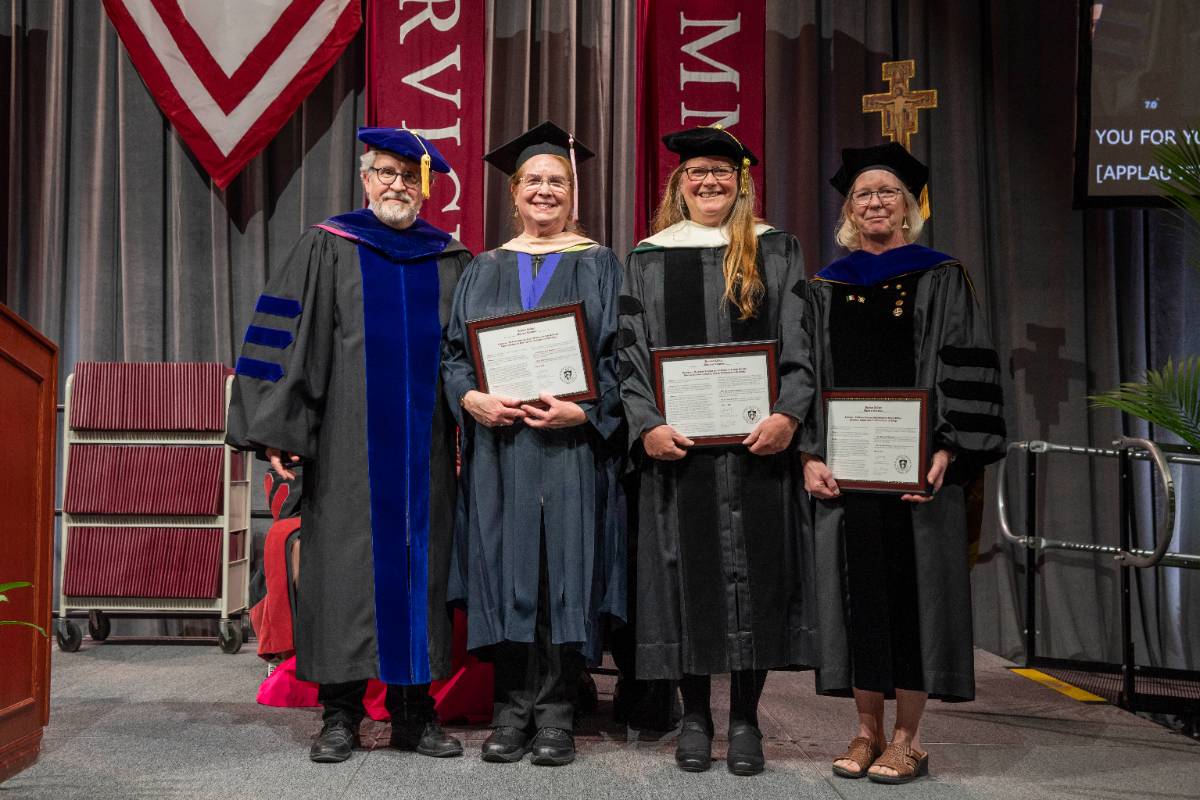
687	233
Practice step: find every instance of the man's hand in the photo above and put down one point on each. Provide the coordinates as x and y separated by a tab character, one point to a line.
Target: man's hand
937	471
771	435
818	478
490	410
276	458
665	443
550	412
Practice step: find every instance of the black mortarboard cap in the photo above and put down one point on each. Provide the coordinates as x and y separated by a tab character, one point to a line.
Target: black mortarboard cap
708	141
890	156
546	138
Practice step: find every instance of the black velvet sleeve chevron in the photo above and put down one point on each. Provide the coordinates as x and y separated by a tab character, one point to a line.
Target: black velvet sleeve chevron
969	398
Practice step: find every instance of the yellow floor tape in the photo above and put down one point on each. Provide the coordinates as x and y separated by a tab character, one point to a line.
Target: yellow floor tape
1073	692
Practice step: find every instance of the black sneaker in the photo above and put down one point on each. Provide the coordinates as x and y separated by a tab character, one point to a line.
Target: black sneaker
552	747
745	754
693	748
335	743
428	739
505	745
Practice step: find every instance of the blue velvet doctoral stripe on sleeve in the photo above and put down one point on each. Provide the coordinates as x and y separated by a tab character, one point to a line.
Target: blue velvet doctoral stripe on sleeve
269	337
263	370
402	343
278	306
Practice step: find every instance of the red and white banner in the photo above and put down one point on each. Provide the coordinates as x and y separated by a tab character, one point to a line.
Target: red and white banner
229	73
426	65
699	62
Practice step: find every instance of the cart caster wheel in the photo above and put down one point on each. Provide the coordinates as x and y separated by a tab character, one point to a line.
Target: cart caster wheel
230	638
99	625
69	636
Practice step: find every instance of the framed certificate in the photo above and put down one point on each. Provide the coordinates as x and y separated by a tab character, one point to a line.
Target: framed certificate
877	440
544	350
716	393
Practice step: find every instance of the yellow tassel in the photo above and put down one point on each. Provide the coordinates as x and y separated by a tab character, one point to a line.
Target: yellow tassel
425	161
925	210
744	178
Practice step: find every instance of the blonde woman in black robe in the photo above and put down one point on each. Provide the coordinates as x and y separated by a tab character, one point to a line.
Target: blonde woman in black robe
719	586
895	595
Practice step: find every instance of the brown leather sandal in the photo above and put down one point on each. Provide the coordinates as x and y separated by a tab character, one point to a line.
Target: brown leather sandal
862	751
909	764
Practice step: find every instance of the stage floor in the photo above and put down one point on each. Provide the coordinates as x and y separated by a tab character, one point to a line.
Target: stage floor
167	721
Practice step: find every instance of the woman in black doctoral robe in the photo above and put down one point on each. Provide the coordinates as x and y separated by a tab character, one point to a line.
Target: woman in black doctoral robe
539	536
719	568
895	595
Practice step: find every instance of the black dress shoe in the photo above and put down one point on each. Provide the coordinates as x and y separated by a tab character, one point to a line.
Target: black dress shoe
335	742
505	745
693	748
552	747
428	739
745	755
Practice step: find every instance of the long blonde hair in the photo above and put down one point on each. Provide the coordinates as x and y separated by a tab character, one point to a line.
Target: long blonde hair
743	284
514	185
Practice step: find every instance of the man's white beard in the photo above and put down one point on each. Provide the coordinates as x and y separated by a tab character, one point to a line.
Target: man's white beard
396	216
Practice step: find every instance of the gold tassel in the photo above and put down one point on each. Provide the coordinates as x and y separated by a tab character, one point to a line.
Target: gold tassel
925	210
425	161
744	178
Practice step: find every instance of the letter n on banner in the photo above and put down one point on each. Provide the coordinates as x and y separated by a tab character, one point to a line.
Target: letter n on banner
426	62
699	62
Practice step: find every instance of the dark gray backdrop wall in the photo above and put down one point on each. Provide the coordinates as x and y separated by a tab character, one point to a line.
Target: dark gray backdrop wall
118	247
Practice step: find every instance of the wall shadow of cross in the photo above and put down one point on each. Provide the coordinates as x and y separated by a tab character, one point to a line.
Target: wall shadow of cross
1048	375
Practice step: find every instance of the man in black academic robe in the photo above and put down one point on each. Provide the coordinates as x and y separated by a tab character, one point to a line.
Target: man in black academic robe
340	369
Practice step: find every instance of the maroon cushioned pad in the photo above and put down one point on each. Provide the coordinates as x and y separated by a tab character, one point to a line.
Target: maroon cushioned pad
148	397
143	562
144	479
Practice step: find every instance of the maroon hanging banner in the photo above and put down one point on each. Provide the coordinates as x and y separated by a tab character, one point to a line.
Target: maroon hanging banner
700	62
426	62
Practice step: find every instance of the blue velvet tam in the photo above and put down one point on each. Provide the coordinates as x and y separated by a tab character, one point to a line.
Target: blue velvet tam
404	143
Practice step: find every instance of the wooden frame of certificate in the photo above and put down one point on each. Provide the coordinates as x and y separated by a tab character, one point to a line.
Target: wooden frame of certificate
521	355
716	393
877	440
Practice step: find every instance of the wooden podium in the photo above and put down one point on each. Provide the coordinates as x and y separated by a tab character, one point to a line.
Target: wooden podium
28	399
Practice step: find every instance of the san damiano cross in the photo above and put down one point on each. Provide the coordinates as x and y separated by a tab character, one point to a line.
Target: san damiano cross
898	109
898	106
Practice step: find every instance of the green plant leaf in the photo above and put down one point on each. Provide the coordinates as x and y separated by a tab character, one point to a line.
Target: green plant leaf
4	587
37	628
1168	398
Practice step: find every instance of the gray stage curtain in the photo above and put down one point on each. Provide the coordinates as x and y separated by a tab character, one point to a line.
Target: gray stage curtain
119	248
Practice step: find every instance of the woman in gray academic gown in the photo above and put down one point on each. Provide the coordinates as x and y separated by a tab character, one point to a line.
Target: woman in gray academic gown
539	547
895	595
719	568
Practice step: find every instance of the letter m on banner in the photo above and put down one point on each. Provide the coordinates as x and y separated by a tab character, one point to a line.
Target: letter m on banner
700	62
229	73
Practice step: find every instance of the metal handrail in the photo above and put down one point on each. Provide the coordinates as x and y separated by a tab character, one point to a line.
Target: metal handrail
1138	450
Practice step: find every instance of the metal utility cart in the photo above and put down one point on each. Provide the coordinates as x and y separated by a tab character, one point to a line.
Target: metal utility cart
156	508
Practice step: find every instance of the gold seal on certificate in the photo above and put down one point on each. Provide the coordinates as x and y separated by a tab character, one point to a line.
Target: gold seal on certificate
877	440
544	350
716	393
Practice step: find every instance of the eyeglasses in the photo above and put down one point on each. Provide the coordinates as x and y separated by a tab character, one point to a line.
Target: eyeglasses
887	195
387	176
722	173
557	183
